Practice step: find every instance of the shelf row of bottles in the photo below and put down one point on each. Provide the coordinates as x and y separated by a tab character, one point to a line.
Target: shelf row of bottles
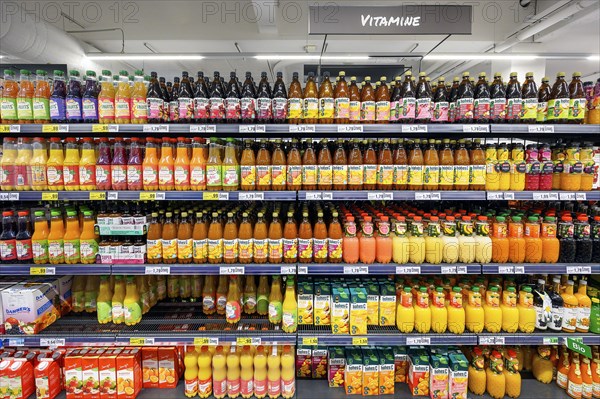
184	164
151	99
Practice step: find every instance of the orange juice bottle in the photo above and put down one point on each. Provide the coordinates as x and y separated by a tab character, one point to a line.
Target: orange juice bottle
263	168
199	239
290	239
106	99
25	98
334	240
38	162
197	166
54	166
219	373
288	380
41	98
586	377
213	167
422	311
166	166
139	107
230	168
182	166
305	240
169	239
184	240
8	100
87	165
275	240
260	373
233	373
8	175
230	240
24	155
246	373
261	243
55	238
150	166
123	99
320	240
233	308
248	167
88	240
215	240
153	240
245	240
71	165
71	244
39	239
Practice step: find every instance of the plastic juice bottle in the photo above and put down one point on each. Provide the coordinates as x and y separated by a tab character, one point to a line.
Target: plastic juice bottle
275	301
154	240
233	373
199	239
326	101
533	168
542	101
71	239
23	238
87	165
367	102
382	102
516	242
214	167
294	168
104	301
510	313
221	298
230	168
150	165
350	244
514	101
8	248
385	167
134	169
219	373
340	167
139	106
181	165
584	308
55	238
320	240
264	95
573	170
262	301
280	100
8	176
405	312
465	100
123	99
169	239
424	99
39	239
106	99
295	103
305	240
481	105
466	241
562	375
288	379
261	243
422	312
209	295
324	168
104	166
355	167
166	166
58	107
309	167
245	240
89	102
71	165
492	311
24	103
559	103
416	241
433	242
54	165
132	306
474	313
184	240
439	313
503	168
118	166
408	108
586	158
248	167
278	168
546	167
275	240
154	101
456	312
118	296
246	373
415	167
341	96
354	108
191	361
500	243
367	243
273	374
477	168
230	240
450	243
400	243
527	314
461	166
533	242
446	161
587	379
215	240
431	172
88	240
483	242
577	103
290	240
334	240
289	318
41	98
310	107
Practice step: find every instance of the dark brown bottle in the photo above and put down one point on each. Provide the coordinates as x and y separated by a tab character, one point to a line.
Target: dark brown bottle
514	99
201	101
154	100
367	102
529	93
166	98
264	110
248	100
354	112
424	98
481	105
311	101
279	102
452	100
440	103
185	99
396	100
558	106
217	101
408	111
497	100
577	100
174	104
543	98
233	112
382	102
465	100
326	102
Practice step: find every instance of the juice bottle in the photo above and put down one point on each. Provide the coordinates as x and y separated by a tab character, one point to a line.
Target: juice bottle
294	168
405	312
309	167
587	379
550	244
341	96
89	102
382	102
273	374
233	373
262	301
38	162
385	167
350	244
71	165
134	166
216	99
87	165
497	100
104	301
106	99
289	308
248	167
261	243
246	373
334	241
290	240
577	102
8	248
191	362
150	165
465	100
587	161
450	243
88	240
199	240
185	99
584	309
340	167
230	168
367	102
500	242
264	110
54	165
295	102
219	373
431	171
23	244
533	168
573	169
456	312
423	100
184	240
466	241
416	253
527	314
71	246
439	313
197	165
169	239
310	107
275	301
367	243
514	100
320	240
575	382
483	243
73	98
408	108
510	313
400	161
433	242
8	175
474	314
55	238
174	100
415	167
559	103
562	375
326	101
546	167
214	167
154	101
209	295
422	312
232	100
516	242
533	242
41	98
279	103
39	239
305	240
139	105
452	99
58	106
25	98
233	309
461	166
278	168
245	240
117	311
369	166
492	171
542	101
166	166
123	99
355	167
324	168
504	168
481	105
288	380
221	295
103	165
263	167
215	240
201	100
275	240
518	167
118	166
396	100
529	107
440	105
132	306
477	167
354	114
230	240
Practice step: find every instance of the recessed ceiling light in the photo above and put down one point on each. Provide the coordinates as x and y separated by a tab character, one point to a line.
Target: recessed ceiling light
448	57
141	57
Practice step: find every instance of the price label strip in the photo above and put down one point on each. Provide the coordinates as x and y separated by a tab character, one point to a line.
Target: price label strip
232	270
49	196
9	196
157	270
425	196
408	269
252	341
10	128
360	341
310	341
203	128
350	129
414	128
52	342
215	196
252	196
356	269
55	128
152	196
380	196
42	271
302	128
141	341
200	341
155	129
414	341
288	269
97	196
491	340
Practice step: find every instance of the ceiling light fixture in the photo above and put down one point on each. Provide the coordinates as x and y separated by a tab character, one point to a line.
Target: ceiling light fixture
594	58
311	57
483	57
142	57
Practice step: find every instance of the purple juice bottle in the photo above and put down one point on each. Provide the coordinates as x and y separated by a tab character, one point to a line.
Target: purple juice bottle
90	98
58	108
73	100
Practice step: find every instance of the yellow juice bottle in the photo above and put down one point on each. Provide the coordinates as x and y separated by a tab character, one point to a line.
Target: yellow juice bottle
87	165
118	314
8	168
517	168
584	309
571	304
474	312
492	175
106	99
139	107
503	168
456	312
290	308
510	313
205	382
422	311
246	372
55	165
192	361
219	373
55	238
71	165
37	165
132	306
492	311
274	374
71	239
260	373
288	376
439	313
24	155
405	312
123	99
39	239
233	373
527	314
103	302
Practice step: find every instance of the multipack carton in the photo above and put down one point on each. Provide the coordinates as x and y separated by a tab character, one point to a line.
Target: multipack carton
340	312
353	372
370	379
28	308
335	366
358	311
322	303
305	302
386	371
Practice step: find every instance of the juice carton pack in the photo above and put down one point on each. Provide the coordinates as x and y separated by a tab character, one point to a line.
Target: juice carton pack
387	304
107	373
303	361
340	310
319	363
28	308
386	371
63	286
21	382
372	303
129	381
322	303
438	376
370	379
305	302
353	372
335	366
459	374
4	363
168	367
3	286
418	373
150	367
90	374
358	311
47	379
73	373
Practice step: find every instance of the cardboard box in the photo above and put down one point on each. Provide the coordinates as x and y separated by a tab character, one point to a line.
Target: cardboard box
74	374
129	382
90	375
418	373
150	367
303	362
305	302
322	304
107	373
28	308
336	364
4	377
358	311
387	304
458	385
386	371
319	363
168	367
62	285
372	303
340	310
370	379
47	379
438	376
21	383
353	372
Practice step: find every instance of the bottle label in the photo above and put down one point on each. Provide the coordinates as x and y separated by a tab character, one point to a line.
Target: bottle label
408	109
577	109
155	108
233	108
542	112
295	108
533	168
219	388
574	389
24	249
275	248
325	174
290	248
200	249
529	108
41	108
355	175
215	249
260	387
461	174
452	111
174	111
370	174
274	388
326	108
415	175
122	108
440	112
73	108
87	175
8	108
423	108
289	320
288	387
90	108
106	108
55	249
513	108
233	311
395	110
71	251
230	176
247	388
305	248
354	111
201	108
264	108
320	248
88	250
150	175
477	174
57	109
261	249
248	174
400	174
278	175
275	309
217	108
246	248
583	318
367	111
570	318
169	248
134	176
334	248
55	175
481	109
279	106
185	248
263	174
118	174
213	175
382	110
431	175
165	175
309	174
230	249
25	109
294	175
447	175
197	176
340	174
191	387
342	108
464	108
40	251
186	107
311	108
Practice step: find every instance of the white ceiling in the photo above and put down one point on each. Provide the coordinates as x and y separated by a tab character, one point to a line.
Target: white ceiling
215	26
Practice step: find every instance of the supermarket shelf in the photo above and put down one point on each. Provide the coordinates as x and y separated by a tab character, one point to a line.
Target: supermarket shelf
50	270
53	195
202	195
544	129
386	269
378	195
536	338
205	269
541	268
544	195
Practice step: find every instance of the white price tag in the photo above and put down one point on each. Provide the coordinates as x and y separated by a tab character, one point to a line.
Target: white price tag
545	196
448	270
203	128
15	128
428	196
462	269
52	342
312	195
510	196
581	196
541	128
157	270
350	129
414	128
579	270
200	341
302	269
415	341
476	128
288	269
566	196
9	196
112	195
113	128
550	340
408	269
302	129
16	342
327	196
495	195
519	269
155	129
252	129
492	340
63	128
356	269
506	269
232	270
251	196
380	196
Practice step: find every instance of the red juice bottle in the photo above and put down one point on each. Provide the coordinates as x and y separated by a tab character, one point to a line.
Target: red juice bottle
118	166
8	245
532	174
134	166
546	167
103	168
23	239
